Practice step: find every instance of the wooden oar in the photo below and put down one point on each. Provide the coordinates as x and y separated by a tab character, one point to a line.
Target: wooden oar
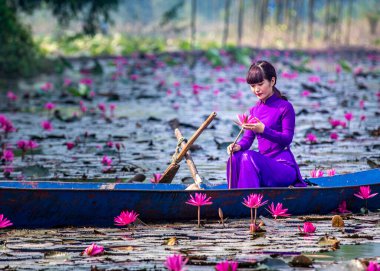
189	160
172	169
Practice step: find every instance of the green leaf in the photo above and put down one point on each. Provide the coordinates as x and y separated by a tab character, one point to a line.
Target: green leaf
345	65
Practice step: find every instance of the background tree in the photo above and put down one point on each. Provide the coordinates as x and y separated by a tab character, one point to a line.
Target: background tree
18	53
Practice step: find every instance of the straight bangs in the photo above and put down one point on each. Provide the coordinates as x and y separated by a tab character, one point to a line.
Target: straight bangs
255	75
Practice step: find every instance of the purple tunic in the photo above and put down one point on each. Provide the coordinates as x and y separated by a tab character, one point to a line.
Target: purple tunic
274	164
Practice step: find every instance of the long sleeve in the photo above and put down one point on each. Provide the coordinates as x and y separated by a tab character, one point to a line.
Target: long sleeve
247	140
285	136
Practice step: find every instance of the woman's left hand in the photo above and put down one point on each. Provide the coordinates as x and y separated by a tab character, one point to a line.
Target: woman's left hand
257	127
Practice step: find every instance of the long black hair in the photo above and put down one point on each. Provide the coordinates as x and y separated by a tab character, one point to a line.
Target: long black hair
263	70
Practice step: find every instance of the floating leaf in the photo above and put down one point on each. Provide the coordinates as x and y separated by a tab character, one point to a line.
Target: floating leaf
345	65
172	241
337	221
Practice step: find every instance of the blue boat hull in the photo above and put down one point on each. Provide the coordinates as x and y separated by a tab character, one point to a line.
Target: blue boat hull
59	204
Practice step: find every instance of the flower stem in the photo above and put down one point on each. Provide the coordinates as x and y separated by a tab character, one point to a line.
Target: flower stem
199	216
232	148
251	216
254	221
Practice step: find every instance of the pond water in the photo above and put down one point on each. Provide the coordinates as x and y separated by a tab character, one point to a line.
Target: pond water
148	93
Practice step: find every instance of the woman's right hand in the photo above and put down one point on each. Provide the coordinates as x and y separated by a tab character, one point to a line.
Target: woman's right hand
236	147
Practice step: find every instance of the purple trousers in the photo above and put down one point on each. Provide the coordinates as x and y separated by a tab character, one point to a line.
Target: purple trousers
251	169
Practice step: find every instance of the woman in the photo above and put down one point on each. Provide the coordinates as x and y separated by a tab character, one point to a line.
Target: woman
274	164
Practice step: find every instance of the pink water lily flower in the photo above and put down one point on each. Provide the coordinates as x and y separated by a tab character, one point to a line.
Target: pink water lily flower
46	125
312	138
93	250
314	79
245	119
106	161
254	201
348	116
8	155
308	227
125	218
49	106
199	200
4	222
70	145
316	173
11	96
365	193
226	266
331	172
373	266
156	178
176	262
278	210
334	136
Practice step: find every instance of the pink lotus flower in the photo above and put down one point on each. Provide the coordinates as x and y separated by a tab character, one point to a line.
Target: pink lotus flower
102	107
334	123
226	266
22	144
331	172
365	193
199	200
49	106
118	146
106	161
47	86
312	138
348	116
373	266
278	210
221	80
334	136
11	96
363	117
93	250
8	155
156	178
308	227
86	81
46	125
342	208
109	144
343	124
316	173
254	201
289	75
196	89
70	145
125	218
32	144
177	84
175	262
305	93
314	79
4	222
216	92
245	119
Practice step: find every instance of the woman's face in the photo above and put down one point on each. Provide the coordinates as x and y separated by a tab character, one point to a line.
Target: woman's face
264	89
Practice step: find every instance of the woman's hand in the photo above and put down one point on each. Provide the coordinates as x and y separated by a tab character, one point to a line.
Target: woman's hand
257	127
236	147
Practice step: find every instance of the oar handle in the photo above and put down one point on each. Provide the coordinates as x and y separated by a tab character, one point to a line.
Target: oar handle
195	136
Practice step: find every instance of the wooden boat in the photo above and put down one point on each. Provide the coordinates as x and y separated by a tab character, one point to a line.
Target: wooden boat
45	204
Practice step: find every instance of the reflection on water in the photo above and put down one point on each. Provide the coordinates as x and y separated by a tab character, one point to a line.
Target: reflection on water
349	252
